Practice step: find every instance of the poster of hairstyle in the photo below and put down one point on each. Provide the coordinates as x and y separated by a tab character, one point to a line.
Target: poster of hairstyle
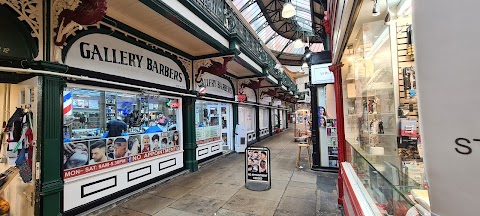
155	140
175	137
75	154
98	151
134	145
257	165
120	147
146	142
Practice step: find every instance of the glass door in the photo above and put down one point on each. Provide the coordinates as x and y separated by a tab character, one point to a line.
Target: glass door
227	127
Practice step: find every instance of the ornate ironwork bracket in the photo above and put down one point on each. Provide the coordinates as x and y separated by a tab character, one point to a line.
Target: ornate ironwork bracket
72	15
212	66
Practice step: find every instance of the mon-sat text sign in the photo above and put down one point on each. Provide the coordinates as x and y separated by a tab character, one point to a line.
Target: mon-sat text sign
451	144
257	165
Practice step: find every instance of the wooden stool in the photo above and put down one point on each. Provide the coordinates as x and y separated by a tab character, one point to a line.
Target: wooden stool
307	146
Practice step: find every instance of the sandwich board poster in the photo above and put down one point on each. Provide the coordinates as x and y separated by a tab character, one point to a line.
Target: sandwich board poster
258	164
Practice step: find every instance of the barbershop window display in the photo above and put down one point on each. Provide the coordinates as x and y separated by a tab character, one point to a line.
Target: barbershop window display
136	133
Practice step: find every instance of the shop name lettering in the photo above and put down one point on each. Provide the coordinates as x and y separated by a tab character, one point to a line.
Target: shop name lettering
464	145
105	54
217	84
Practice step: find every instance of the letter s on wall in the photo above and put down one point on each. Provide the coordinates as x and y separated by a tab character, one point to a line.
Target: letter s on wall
469	149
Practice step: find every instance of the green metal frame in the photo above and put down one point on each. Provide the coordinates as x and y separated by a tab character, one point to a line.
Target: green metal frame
190	145
50	146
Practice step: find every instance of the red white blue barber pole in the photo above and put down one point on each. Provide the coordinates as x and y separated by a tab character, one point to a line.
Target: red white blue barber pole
67	103
201	90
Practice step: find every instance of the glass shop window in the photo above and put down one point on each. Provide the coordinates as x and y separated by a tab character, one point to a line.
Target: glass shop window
207	122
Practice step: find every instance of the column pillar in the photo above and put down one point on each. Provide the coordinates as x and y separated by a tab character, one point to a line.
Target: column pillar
278	118
337	72
257	123
287	117
315	127
270	121
235	120
50	147
190	144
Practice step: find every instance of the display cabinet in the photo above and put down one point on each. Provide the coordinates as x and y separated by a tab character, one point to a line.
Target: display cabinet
371	116
391	197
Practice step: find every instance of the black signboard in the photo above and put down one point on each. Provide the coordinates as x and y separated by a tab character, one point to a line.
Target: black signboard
257	163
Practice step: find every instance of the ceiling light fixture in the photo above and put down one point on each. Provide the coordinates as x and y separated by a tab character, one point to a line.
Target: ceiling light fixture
288	10
304	65
298	43
376	8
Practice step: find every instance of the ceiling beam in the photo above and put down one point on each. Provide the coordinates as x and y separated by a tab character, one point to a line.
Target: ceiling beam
256	17
284	47
271	38
263	26
247	4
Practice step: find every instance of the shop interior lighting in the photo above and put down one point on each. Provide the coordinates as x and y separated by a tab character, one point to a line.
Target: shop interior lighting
376	8
404	7
378	43
288	10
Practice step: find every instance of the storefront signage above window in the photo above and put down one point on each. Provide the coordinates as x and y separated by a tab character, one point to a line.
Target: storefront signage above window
110	55
216	85
321	74
277	103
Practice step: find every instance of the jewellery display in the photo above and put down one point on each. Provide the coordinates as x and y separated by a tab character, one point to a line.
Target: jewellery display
380	127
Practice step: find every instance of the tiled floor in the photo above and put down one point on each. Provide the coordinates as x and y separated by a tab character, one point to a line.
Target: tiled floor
218	189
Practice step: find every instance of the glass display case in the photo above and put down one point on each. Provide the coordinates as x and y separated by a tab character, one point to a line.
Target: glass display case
390	198
372	108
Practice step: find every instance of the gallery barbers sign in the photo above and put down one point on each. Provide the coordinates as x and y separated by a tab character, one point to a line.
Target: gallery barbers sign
216	85
110	55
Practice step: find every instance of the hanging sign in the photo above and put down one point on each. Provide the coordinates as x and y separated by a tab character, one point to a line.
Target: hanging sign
215	85
277	103
321	74
265	100
241	98
452	148
110	55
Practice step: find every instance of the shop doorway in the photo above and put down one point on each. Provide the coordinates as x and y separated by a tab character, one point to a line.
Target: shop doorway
247	118
213	121
19	99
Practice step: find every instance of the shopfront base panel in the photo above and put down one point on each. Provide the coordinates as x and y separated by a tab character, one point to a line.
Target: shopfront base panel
209	149
251	137
78	192
264	133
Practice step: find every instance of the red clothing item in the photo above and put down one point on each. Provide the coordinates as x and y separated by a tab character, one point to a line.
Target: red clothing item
146	149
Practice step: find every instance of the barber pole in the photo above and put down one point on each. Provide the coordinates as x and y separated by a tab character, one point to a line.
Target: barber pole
67	103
